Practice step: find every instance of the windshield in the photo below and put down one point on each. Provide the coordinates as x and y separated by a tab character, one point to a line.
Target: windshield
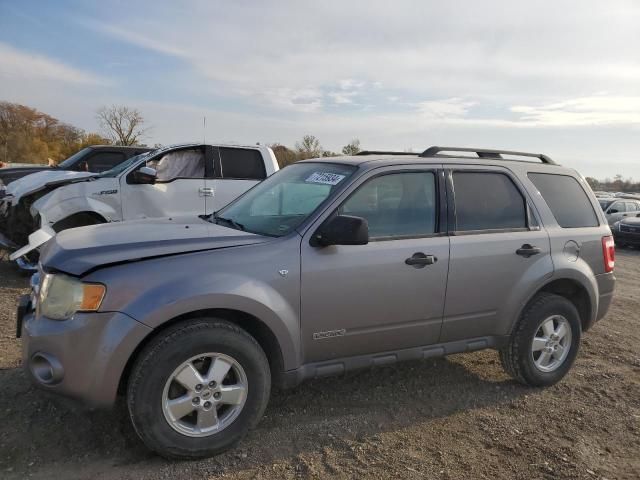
604	204
283	201
70	162
118	169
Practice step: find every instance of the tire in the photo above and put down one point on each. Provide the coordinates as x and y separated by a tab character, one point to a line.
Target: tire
149	389
528	366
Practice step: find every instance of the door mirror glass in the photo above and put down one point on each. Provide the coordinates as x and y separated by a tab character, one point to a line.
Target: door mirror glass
145	175
342	230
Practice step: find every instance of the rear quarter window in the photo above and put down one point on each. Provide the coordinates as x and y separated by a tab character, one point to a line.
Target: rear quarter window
567	200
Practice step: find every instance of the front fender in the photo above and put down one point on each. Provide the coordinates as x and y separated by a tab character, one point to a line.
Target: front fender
52	210
157	291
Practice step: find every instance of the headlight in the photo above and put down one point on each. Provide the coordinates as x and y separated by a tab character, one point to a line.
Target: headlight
61	296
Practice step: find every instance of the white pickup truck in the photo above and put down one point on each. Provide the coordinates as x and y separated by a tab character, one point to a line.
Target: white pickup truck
185	179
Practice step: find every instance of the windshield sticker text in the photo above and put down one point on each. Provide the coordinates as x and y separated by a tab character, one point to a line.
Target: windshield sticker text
325	178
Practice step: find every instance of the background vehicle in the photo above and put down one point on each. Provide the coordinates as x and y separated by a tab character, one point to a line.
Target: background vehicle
176	180
616	209
626	232
329	265
94	159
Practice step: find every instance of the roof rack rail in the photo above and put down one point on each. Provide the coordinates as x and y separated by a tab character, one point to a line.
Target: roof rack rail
485	153
381	152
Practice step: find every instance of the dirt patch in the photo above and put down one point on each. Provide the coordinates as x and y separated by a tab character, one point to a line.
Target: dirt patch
459	417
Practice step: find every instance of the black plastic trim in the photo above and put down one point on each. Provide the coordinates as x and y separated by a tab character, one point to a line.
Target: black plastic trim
339	366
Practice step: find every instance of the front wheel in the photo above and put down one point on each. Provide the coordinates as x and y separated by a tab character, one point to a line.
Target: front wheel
198	388
545	341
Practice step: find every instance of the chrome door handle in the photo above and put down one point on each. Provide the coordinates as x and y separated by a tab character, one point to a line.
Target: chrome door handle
206	192
420	260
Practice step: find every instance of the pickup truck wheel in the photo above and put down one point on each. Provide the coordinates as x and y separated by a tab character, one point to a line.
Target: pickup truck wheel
198	388
544	343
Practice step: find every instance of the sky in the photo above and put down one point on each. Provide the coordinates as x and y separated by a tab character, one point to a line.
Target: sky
559	77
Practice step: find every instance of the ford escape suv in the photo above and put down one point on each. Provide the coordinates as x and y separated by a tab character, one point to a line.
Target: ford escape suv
326	266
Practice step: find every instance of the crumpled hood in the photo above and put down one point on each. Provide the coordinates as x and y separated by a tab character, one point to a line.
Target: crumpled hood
35	181
79	250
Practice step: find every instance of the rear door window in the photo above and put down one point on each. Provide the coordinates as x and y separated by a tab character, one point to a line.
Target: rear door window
487	201
631	206
567	200
241	163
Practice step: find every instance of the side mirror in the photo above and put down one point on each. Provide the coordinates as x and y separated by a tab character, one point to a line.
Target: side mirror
342	230
145	176
613	210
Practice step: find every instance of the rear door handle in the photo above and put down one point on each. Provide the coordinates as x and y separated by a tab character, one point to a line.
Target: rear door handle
206	192
527	250
420	260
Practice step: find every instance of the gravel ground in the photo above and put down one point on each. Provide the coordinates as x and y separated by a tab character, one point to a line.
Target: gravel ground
459	417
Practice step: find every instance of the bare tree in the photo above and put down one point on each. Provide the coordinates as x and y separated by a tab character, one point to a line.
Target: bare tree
352	147
309	147
122	124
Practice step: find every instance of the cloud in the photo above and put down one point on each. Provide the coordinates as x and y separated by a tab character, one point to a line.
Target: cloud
583	111
20	65
451	108
503	53
134	37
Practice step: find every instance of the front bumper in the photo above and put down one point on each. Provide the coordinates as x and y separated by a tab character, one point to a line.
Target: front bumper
83	357
626	238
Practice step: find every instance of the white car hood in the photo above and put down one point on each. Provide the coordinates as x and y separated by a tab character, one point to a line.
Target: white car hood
30	183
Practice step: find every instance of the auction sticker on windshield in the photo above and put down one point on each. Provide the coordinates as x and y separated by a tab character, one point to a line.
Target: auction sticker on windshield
325	178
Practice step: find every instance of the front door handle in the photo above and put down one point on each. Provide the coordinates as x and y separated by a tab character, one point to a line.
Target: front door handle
206	192
527	250
420	260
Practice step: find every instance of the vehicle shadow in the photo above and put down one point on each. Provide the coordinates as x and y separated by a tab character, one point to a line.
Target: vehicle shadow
42	433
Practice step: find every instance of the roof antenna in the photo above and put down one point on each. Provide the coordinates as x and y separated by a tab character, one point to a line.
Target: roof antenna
204	129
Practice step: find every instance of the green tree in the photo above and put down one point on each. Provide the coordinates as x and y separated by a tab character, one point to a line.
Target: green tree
593	183
309	147
352	148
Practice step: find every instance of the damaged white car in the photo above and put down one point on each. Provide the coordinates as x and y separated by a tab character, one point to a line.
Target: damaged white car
181	179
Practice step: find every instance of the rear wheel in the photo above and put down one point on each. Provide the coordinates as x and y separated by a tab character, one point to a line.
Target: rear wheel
197	389
545	341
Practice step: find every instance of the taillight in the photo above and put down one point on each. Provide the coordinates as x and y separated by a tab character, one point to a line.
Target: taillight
609	253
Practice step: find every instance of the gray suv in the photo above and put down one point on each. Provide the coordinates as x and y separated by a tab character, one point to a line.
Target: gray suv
327	266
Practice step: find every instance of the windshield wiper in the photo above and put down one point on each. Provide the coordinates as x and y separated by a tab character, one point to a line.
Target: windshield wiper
229	221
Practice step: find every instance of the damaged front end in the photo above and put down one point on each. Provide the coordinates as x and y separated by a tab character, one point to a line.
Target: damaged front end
17	226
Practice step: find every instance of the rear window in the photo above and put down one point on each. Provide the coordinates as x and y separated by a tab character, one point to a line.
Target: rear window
487	201
567	200
241	163
103	161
